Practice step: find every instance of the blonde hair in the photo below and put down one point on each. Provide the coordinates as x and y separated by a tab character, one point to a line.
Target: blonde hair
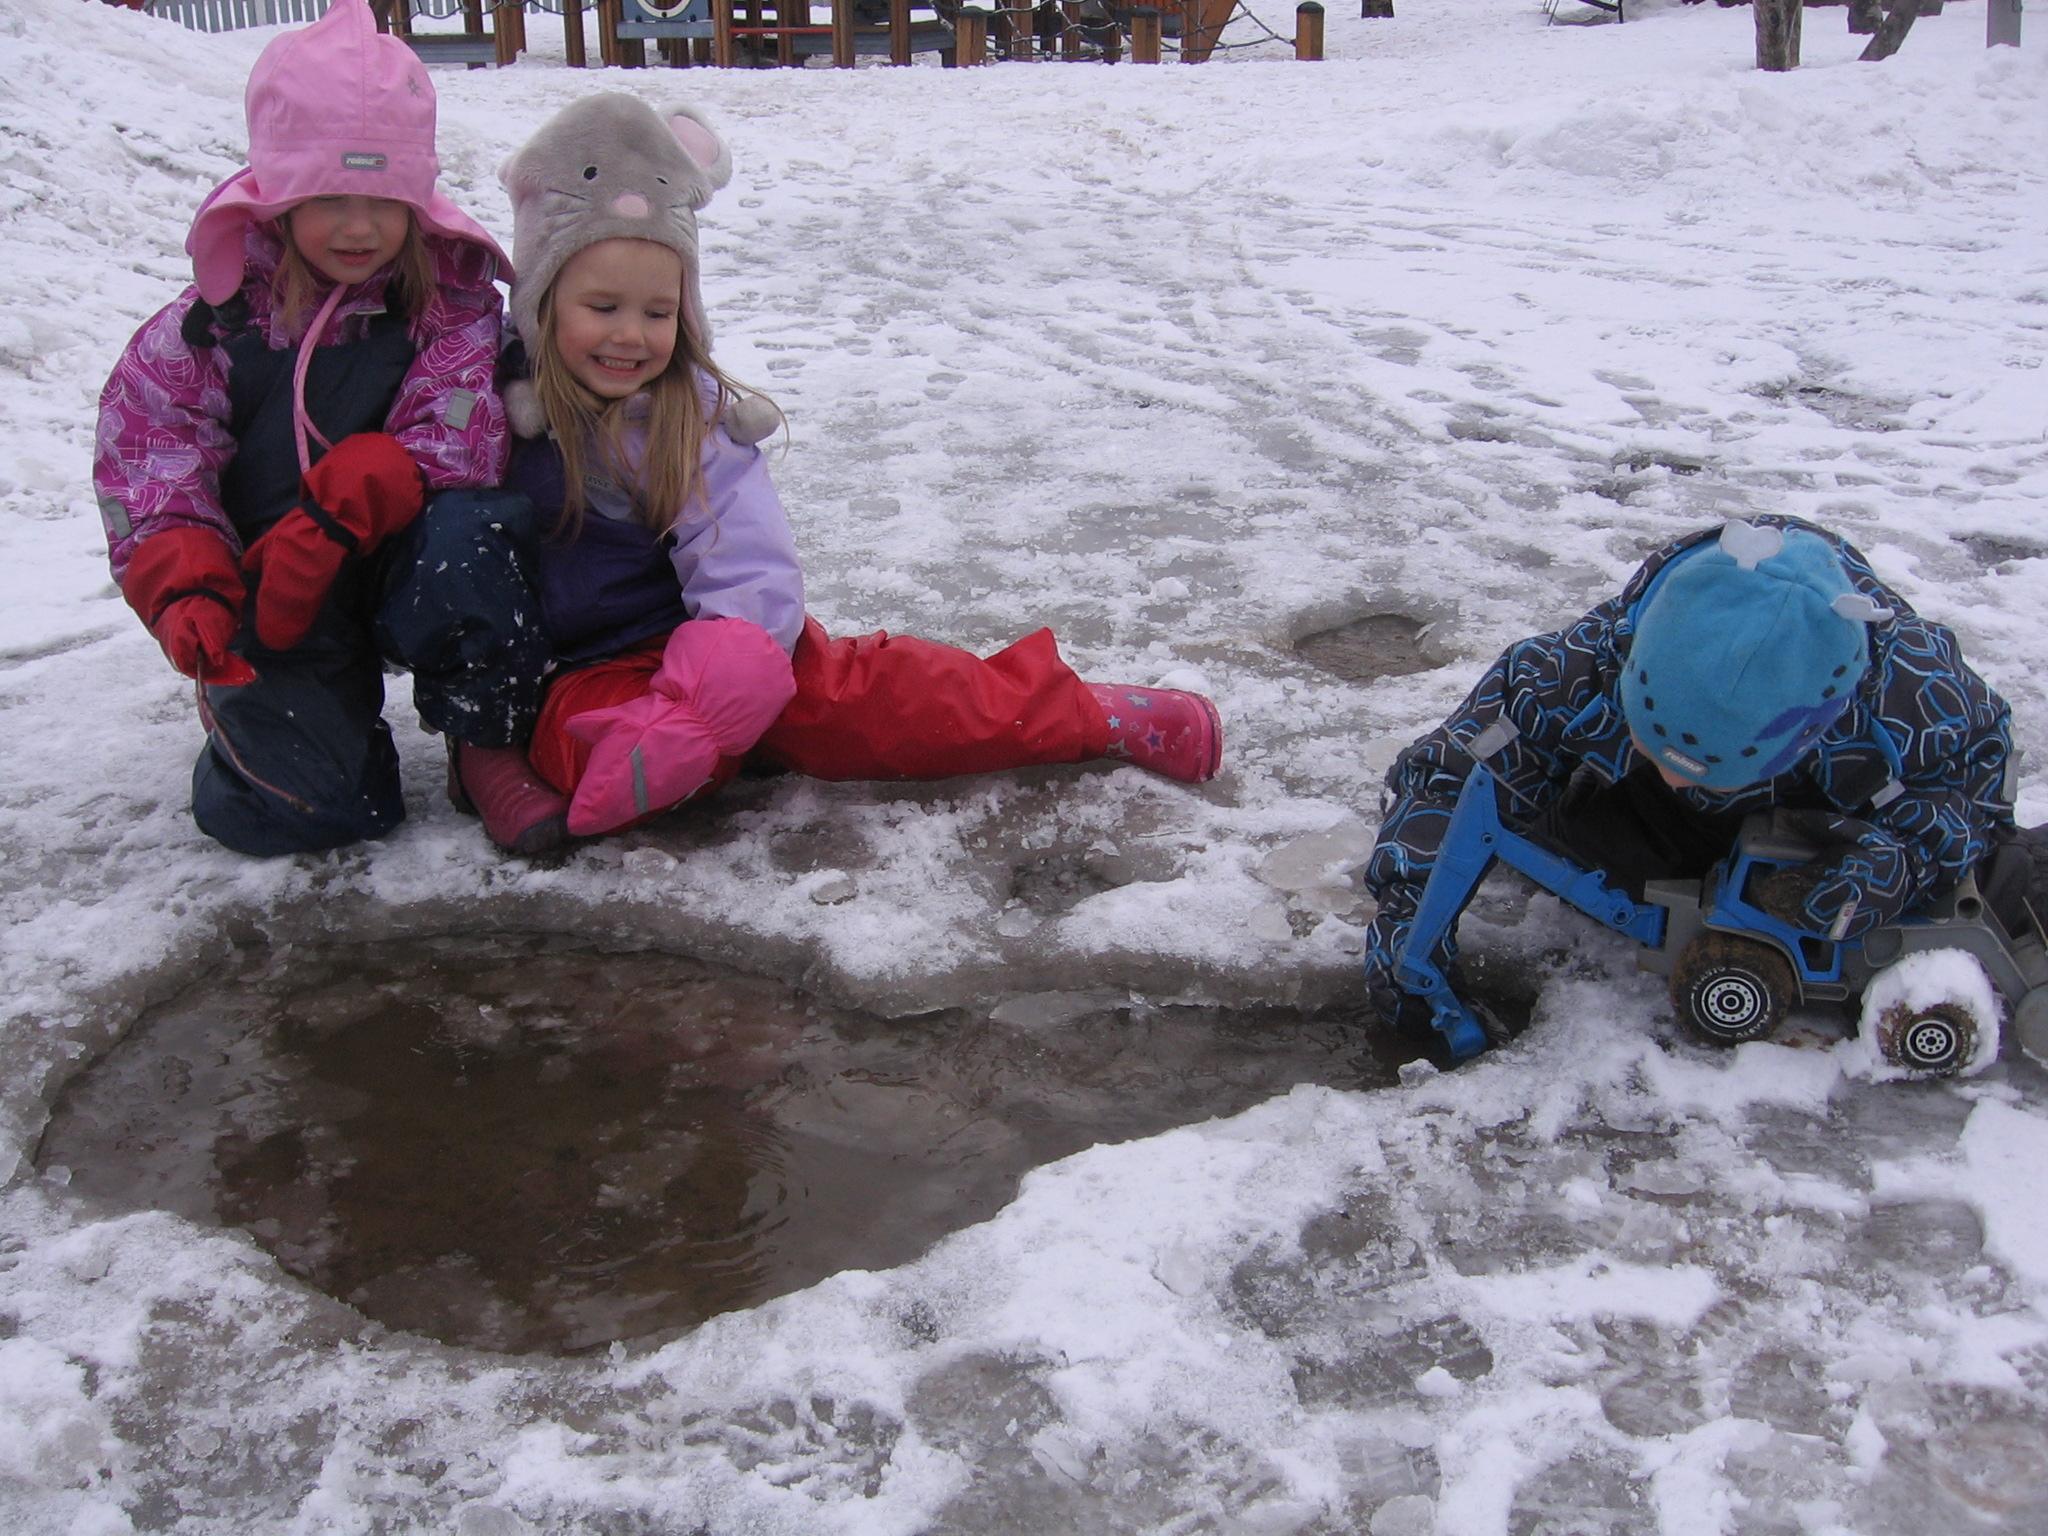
590	431
295	286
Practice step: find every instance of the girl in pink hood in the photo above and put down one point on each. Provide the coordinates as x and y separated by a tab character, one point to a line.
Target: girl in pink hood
293	463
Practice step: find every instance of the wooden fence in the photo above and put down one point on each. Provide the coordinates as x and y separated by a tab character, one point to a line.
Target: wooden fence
719	31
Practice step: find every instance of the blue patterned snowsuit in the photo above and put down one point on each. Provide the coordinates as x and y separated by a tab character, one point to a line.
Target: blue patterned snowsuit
1913	771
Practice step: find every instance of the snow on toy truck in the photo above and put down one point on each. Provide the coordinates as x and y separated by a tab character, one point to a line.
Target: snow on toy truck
1735	969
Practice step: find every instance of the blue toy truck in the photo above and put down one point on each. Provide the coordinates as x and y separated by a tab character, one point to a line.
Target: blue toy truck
1734	970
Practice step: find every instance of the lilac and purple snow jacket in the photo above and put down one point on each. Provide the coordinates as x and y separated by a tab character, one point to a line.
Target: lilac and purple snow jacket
729	555
174	416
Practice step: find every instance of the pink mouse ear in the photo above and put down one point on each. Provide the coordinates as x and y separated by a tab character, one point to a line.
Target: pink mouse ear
698	142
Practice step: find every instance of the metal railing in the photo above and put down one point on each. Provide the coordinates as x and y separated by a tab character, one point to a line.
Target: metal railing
233	15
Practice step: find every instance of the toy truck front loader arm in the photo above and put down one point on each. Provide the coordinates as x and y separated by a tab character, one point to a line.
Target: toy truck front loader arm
1474	840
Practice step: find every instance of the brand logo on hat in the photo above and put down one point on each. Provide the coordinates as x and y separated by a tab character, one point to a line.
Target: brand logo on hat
1679	760
362	160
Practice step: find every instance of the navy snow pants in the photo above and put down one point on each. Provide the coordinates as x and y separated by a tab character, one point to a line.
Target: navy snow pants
301	759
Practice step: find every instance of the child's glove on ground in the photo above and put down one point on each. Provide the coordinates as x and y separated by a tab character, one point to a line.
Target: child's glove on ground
1411	1019
187	589
721	684
363	490
1395	1006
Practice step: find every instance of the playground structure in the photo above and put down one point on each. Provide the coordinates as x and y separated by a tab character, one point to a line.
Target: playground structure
729	33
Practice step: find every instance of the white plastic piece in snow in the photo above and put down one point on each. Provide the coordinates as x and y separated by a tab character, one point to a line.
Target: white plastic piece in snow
1269	921
1188	679
1320	861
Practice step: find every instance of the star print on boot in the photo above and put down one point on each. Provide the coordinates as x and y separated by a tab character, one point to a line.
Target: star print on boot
1164	730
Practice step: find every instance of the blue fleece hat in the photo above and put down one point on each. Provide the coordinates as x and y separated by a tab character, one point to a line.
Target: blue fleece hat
1745	652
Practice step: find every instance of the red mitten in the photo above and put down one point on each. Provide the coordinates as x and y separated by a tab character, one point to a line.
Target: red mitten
184	584
363	490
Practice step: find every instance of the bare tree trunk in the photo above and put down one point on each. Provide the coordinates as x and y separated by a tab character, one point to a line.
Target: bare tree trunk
1777	33
1899	17
1864	15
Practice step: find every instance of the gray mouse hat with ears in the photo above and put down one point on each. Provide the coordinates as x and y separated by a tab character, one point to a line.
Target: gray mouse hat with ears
609	167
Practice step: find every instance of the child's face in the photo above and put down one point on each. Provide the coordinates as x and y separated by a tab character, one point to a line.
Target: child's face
616	309
346	239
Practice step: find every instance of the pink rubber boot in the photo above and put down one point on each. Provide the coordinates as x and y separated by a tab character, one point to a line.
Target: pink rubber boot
1164	730
521	812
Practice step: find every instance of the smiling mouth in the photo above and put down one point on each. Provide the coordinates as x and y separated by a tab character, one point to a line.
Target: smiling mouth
619	365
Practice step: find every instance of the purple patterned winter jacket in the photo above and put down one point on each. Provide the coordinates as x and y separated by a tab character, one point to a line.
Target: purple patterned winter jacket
164	435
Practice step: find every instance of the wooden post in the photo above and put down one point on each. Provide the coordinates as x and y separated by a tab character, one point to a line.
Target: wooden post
842	34
1308	31
2002	24
401	18
1070	30
614	51
749	15
1376	10
572	33
1777	33
1145	35
721	33
970	36
1899	17
789	13
1020	19
1864	15
508	29
1201	27
899	31
473	22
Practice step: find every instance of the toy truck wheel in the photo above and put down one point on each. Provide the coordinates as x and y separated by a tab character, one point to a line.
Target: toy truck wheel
1728	989
1934	1041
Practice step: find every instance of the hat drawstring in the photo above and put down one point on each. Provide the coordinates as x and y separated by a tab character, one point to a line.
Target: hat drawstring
302	424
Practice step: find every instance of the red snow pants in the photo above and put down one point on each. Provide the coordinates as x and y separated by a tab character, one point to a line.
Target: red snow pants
879	706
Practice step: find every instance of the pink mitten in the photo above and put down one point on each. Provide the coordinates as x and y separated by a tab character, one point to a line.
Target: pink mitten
721	683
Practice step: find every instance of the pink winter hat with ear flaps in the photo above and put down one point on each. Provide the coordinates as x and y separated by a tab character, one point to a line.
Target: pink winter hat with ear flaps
335	109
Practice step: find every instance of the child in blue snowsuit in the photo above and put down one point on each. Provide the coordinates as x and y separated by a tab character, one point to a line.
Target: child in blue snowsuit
1744	668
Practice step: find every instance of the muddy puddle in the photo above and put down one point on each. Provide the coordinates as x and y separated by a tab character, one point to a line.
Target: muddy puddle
1369	648
518	1145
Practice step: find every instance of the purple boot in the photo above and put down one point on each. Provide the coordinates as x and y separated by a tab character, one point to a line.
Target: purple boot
522	813
1165	730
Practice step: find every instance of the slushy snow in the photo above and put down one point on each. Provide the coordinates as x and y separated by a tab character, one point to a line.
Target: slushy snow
1190	363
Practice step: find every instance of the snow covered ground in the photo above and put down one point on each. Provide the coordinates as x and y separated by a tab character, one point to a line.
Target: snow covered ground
1191	363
